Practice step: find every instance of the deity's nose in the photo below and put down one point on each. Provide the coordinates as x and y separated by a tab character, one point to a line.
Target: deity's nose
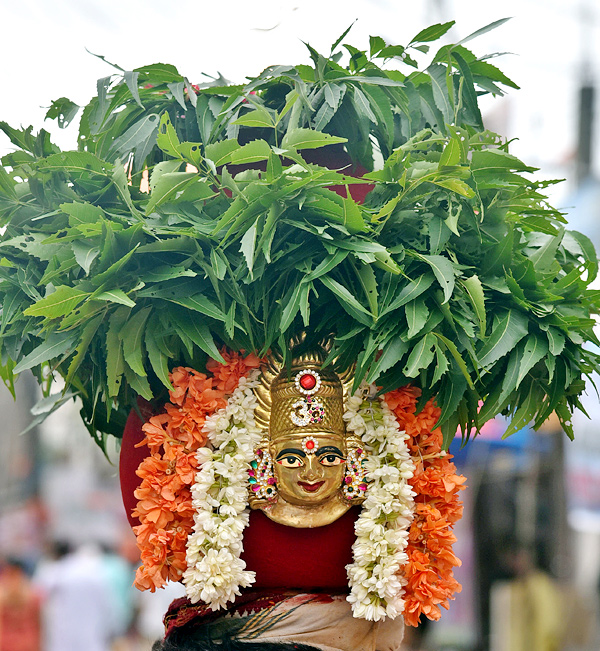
313	470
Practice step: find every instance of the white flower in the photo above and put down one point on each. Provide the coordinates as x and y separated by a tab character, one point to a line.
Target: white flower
382	527
215	573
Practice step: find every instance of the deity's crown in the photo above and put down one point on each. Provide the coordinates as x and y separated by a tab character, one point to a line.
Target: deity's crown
305	398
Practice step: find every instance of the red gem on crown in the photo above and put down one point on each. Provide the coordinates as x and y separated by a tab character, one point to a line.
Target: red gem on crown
308	381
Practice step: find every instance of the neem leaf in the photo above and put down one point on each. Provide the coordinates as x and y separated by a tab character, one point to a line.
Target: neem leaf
85	253
327	264
115	364
437	72
417	313
353	219
451	154
448	398
115	296
485	160
62	301
55	345
409	292
460	362
456	185
366	275
556	341
586	249
525	413
443	270
441	364
85	340
253	152
158	360
169	185
545	255
82	213
167	139
260	117
483	30
63	110
291	308
376	44
139	132
188	323
132	336
220	152
199	303
177	88
362	105
475	293
421	355
536	347
218	263
76	161
347	300
432	33
308	139
247	244
131	79
392	353
506	334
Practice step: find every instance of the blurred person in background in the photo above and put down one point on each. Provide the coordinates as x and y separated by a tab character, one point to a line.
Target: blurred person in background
79	611
119	574
20	609
151	608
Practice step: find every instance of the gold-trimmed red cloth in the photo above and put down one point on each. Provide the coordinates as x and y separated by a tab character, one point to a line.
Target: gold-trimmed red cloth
322	620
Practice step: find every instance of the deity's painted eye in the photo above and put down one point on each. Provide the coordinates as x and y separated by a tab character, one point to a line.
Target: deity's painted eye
331	460
290	461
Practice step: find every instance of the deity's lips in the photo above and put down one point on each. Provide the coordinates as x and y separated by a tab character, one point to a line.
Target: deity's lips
311	488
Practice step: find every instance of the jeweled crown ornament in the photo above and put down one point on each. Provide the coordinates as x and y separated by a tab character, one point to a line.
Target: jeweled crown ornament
307	469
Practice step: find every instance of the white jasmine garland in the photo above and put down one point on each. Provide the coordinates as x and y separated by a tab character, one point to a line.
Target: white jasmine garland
215	572
376	589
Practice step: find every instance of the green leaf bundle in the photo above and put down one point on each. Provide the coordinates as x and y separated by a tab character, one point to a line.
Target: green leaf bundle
363	201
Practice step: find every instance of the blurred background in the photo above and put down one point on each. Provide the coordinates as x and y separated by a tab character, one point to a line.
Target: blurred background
530	537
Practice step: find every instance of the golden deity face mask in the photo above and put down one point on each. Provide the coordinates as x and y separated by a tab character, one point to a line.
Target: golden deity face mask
307	470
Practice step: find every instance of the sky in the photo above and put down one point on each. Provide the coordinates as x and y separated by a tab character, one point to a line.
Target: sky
46	48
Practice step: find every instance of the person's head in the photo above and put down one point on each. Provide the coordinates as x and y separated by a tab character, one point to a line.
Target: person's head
203	638
60	549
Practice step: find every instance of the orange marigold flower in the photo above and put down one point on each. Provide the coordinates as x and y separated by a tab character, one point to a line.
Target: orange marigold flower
185	427
203	391
180	379
425	443
428	417
438	479
403	399
451	510
428	572
183	464
153	509
236	366
156	435
149	578
159	475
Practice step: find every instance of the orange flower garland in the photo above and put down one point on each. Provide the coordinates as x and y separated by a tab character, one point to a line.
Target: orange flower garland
164	496
429	571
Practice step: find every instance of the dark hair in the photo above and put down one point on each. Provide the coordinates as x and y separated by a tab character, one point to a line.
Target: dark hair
211	637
